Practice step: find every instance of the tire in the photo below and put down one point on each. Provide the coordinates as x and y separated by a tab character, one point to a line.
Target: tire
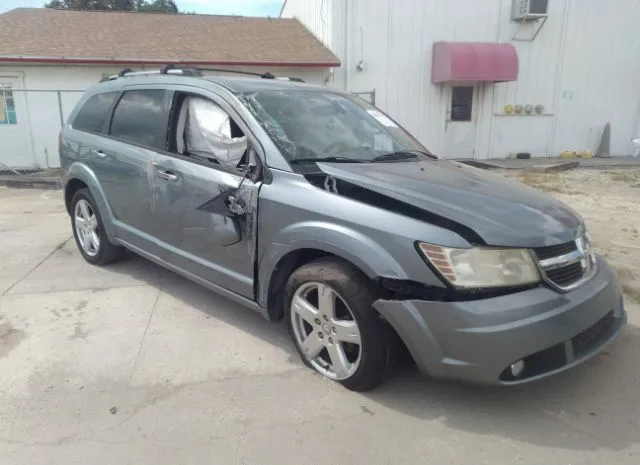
376	352
105	252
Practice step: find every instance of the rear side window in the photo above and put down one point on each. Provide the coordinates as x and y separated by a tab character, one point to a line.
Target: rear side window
140	118
94	113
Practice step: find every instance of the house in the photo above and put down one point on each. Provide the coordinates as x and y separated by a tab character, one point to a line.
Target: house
490	78
49	57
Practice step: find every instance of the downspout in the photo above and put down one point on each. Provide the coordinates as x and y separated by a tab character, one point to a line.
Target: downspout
493	87
284	4
558	83
347	45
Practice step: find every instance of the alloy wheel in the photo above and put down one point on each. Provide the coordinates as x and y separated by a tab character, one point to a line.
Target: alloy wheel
326	331
86	225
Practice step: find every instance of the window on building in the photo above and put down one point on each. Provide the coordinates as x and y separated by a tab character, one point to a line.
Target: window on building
461	103
94	113
7	105
140	117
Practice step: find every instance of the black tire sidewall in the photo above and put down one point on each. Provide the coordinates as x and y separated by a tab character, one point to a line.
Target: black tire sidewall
359	294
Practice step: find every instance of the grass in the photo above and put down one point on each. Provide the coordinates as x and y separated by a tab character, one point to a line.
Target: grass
547	182
626	277
624	274
624	175
631	292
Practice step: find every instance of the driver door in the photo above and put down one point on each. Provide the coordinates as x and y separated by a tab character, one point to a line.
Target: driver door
201	235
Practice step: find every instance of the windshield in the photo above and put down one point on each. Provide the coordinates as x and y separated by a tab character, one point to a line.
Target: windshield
313	125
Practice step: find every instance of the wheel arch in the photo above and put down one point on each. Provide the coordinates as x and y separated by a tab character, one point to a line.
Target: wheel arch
79	176
288	252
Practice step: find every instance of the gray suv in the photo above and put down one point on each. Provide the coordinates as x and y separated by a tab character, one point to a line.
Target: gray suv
311	205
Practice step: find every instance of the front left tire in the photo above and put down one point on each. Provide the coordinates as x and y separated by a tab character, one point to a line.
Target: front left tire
328	307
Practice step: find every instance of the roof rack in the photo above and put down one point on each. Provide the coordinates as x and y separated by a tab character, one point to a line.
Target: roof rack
191	71
164	69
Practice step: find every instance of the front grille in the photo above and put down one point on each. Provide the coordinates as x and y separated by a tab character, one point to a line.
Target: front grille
584	342
566	275
555	250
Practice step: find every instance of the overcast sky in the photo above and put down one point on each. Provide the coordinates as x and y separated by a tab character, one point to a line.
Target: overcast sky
221	7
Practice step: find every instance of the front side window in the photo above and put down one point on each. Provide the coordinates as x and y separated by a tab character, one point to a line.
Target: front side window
207	132
94	112
140	118
317	124
7	105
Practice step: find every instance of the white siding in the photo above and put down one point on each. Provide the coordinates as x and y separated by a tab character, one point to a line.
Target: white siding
39	119
583	67
600	76
316	15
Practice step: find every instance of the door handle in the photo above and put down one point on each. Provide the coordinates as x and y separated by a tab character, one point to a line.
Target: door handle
99	153
168	175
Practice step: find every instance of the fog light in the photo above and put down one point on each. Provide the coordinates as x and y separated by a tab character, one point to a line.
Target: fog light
517	368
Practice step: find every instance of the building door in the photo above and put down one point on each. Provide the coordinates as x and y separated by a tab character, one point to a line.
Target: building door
15	140
461	121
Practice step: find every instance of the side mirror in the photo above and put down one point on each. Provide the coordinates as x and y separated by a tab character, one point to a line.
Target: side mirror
253	168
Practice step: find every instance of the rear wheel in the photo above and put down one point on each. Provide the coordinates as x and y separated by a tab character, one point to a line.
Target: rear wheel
88	231
334	328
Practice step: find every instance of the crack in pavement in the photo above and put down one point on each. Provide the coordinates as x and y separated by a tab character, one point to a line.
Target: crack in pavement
58	247
144	335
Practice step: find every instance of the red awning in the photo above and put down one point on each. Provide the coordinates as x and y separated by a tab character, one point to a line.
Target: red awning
474	61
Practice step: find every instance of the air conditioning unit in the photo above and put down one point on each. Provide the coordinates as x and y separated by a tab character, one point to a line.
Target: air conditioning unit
529	10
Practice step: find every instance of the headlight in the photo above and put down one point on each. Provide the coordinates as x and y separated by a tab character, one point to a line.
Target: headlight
482	267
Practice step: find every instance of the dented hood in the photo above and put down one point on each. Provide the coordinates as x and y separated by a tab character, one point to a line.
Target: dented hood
502	212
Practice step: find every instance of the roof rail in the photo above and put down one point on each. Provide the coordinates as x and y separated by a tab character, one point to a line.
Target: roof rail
164	69
191	71
266	75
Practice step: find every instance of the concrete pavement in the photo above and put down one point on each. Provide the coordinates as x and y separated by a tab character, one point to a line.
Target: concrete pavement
131	364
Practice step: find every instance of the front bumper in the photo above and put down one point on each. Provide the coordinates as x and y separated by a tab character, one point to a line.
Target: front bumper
478	340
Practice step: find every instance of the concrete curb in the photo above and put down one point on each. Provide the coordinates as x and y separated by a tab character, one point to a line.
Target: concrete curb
30	182
613	163
563	166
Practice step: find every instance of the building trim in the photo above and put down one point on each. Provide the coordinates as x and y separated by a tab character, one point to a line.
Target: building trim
142	61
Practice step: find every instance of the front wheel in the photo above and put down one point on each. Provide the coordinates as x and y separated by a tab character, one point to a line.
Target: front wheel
334	328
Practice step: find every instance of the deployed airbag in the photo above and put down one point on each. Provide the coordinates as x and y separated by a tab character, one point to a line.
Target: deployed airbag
208	133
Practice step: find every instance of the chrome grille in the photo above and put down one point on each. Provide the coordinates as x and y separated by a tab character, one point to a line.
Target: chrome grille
566	266
566	275
555	250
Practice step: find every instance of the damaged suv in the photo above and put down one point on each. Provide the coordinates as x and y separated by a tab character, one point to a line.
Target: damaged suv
312	206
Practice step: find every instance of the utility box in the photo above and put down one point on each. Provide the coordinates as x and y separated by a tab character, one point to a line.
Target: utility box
529	10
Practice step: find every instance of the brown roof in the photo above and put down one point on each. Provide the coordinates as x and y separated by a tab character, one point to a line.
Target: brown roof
45	35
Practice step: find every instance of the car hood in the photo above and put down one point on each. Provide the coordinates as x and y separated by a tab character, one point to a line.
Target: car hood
502	212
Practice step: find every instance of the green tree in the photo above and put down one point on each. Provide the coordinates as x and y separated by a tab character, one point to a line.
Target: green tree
160	6
155	6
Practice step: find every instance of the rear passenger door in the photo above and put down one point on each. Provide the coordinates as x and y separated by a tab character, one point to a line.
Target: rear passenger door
124	163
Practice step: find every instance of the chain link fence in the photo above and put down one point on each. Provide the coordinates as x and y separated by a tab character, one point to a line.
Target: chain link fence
30	121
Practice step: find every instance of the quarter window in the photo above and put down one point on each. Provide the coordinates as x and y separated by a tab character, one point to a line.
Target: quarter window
94	113
140	118
7	105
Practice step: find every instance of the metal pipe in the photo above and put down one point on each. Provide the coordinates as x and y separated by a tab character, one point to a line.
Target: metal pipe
60	109
558	83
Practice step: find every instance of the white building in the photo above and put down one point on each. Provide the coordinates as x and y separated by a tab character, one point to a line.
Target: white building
49	57
577	68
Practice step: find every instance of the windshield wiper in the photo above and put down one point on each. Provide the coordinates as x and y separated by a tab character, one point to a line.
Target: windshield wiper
402	155
326	159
